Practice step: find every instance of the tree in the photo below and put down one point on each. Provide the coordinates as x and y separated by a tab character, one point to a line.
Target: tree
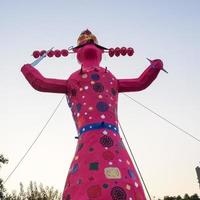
186	197
194	197
34	192
2	189
169	198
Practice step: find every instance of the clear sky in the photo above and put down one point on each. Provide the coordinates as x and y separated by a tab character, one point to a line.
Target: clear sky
169	30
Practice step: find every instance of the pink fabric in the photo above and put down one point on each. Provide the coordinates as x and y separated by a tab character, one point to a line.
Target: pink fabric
137	84
101	168
41	83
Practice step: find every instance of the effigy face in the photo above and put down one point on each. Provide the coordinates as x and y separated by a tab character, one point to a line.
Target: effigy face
93	97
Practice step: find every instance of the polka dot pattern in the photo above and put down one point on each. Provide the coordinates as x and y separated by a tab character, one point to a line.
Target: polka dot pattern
84	76
102	106
98	87
105	185
101	161
95	77
75	168
108	155
94	191
118	193
106	141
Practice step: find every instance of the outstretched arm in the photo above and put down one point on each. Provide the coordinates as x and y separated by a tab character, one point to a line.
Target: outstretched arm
42	84
145	79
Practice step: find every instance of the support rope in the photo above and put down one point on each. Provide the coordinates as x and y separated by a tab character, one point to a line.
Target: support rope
40	133
163	118
137	167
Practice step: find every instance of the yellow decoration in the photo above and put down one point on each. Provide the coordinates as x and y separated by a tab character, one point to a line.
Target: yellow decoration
112	173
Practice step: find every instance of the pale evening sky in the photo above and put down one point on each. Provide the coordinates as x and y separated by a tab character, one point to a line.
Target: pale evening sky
169	30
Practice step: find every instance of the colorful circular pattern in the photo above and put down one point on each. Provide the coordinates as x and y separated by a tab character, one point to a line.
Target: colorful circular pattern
106	141
118	193
105	185
95	77
108	155
94	191
98	87
102	106
94	101
75	168
131	173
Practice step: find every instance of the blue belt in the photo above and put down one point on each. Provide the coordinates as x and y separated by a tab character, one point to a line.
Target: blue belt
96	126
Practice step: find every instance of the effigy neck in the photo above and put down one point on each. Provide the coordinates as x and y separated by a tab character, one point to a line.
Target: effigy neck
89	66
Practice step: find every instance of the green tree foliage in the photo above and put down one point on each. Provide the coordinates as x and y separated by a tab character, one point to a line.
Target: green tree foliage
34	192
2	189
186	197
3	160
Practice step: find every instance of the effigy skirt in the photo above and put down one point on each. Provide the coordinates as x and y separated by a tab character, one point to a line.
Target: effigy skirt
102	170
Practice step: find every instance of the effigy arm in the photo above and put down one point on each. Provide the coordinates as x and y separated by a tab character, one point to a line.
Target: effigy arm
142	82
41	83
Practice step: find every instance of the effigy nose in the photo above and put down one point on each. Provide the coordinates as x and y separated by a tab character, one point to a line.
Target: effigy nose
90	52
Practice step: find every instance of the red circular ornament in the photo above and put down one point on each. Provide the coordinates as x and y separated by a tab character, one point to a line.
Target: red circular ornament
57	53
94	191
130	51
123	51
36	54
117	51
64	52
111	52
50	54
42	52
108	155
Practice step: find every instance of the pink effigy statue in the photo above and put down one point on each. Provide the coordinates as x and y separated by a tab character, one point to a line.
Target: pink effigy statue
101	168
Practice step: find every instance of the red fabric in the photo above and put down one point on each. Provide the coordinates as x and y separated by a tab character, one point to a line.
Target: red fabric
101	168
42	84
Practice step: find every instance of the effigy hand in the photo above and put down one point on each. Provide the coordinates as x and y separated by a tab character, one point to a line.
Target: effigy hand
157	64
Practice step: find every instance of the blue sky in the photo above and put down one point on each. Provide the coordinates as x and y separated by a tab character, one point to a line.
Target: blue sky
169	30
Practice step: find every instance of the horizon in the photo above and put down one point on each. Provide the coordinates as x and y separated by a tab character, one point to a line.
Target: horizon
168	31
